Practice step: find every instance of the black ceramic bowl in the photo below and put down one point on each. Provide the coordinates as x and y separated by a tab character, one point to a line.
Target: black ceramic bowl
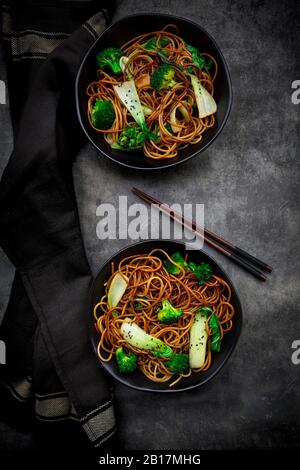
137	379
121	32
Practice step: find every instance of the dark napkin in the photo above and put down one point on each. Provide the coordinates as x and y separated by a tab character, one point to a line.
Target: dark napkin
51	373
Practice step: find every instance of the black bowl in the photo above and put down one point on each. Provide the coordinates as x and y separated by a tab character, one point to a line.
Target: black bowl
121	32
136	379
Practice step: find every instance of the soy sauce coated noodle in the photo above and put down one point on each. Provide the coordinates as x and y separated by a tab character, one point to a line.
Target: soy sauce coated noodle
142	64
149	284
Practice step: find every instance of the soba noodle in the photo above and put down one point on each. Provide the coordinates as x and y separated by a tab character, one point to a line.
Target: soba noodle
150	283
142	63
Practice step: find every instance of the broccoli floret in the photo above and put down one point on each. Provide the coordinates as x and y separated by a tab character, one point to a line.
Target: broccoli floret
171	267
163	77
198	59
130	139
202	271
152	44
149	134
103	115
179	363
110	57
126	362
168	313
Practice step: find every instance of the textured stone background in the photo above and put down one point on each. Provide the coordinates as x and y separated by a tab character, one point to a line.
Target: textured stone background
248	183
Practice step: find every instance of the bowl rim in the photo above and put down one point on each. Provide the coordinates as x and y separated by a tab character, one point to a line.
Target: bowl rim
169	163
117	376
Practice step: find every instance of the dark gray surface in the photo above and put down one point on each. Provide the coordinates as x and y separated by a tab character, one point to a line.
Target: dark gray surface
248	183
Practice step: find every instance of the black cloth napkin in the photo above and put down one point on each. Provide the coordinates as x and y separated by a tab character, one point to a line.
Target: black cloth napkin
51	374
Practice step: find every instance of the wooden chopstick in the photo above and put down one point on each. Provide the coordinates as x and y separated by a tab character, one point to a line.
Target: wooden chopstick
207	233
221	245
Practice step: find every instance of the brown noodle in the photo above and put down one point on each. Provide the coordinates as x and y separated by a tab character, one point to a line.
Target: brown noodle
148	278
142	64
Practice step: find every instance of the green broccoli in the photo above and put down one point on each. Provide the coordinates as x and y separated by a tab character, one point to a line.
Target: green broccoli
179	363
110	57
103	115
152	43
198	59
202	271
168	313
125	362
171	267
130	139
163	77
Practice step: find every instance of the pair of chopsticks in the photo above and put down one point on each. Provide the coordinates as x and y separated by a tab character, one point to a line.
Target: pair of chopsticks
250	263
